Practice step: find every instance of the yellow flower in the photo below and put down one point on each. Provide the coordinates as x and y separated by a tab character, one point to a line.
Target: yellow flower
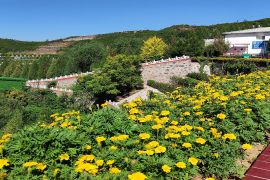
149	152
157	126
193	161
3	175
134	111
160	149
137	176
166	168
64	157
248	110
99	139
144	136
105	104
221	116
200	140
229	136
174	123
113	148
186	145
186	113
41	166
99	162
132	117
210	179
199	113
110	162
165	113
181	165
121	137
88	147
246	146
152	144
30	164
3	162
260	97
185	133
216	155
55	171
115	170
174	145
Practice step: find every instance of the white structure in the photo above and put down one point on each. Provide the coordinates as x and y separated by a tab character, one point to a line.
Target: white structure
250	41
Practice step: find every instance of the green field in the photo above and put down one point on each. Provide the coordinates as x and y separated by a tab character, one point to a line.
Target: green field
7	83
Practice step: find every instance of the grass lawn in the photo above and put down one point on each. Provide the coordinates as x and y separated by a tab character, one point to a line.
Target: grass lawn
11	83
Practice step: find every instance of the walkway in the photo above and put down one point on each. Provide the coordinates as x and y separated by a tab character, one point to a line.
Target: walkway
260	169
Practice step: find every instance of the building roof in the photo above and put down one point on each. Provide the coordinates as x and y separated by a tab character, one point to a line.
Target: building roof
254	30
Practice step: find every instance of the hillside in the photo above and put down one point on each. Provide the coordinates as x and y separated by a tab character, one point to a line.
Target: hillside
111	39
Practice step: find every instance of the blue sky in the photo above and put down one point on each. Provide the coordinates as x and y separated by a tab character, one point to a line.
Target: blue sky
51	19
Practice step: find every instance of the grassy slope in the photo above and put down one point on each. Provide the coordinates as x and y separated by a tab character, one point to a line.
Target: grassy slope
11	83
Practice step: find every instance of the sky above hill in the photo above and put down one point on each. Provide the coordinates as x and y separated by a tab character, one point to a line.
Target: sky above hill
38	20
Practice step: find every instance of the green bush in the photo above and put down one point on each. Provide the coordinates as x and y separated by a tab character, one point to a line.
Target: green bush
162	87
186	82
198	76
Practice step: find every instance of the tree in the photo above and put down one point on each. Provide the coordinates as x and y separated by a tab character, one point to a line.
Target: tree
56	68
118	76
153	48
217	48
10	68
84	57
43	66
186	43
128	46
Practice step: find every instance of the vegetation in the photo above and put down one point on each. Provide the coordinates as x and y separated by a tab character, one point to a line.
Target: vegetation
203	130
87	55
218	48
153	48
24	107
9	45
118	76
162	87
7	83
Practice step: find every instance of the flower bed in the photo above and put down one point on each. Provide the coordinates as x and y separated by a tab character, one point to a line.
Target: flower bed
202	130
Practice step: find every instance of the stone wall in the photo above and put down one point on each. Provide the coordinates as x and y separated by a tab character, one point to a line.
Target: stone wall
163	70
64	84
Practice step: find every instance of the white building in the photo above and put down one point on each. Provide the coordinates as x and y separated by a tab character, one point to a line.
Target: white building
249	41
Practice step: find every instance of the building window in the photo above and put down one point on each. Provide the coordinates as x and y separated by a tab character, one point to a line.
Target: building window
258	37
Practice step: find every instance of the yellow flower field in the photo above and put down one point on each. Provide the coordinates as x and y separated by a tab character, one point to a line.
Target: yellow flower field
203	130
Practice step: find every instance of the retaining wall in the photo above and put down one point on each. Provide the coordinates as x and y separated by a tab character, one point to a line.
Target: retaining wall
163	70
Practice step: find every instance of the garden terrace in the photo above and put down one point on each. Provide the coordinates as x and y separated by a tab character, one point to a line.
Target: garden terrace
203	131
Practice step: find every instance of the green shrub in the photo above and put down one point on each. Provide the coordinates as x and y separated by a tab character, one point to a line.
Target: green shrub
162	87
198	76
186	82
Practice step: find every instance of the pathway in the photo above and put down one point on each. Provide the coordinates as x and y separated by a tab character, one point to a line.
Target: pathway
260	169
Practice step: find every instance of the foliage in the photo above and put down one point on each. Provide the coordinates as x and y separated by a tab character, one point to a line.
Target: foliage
119	75
9	45
20	108
239	67
201	131
82	58
217	48
162	87
153	48
7	83
199	76
185	82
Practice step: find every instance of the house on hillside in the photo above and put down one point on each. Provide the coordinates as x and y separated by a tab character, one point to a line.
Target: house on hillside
249	41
